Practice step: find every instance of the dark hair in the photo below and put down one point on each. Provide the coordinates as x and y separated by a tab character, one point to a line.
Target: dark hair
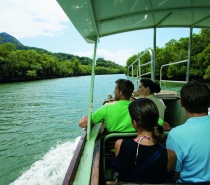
145	113
153	86
126	86
195	97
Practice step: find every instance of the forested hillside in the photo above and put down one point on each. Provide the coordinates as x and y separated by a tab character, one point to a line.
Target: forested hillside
177	50
19	62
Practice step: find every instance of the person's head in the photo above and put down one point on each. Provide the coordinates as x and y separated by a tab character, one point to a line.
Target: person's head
144	115
148	87
123	89
195	97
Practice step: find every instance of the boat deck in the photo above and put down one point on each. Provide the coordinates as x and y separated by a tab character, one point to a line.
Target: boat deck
165	94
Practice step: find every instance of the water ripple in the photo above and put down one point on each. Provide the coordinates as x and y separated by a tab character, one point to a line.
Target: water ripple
36	116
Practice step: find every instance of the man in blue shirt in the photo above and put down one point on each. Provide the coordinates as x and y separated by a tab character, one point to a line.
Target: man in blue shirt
190	141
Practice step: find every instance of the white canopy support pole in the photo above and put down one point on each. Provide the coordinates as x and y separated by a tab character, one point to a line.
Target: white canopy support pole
189	55
90	109
154	56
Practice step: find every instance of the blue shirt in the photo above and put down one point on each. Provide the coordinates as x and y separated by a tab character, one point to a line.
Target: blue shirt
191	143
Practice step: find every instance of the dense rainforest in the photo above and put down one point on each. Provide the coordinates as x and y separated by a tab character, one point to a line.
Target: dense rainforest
19	63
177	50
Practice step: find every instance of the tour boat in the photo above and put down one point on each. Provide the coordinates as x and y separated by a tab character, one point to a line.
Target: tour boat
99	18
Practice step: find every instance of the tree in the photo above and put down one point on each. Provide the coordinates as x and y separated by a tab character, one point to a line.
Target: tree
175	51
76	66
65	68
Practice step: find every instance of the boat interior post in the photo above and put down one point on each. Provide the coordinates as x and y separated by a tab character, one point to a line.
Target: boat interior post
95	19
90	108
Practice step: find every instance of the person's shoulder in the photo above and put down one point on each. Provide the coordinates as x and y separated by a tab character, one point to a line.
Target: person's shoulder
128	142
154	98
151	96
103	108
176	130
109	103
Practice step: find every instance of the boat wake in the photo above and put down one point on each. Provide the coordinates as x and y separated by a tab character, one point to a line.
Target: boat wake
51	169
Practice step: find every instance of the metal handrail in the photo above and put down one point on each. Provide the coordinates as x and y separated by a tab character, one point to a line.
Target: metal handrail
173	63
139	73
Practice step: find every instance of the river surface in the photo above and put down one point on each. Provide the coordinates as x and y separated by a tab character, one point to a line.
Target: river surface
39	126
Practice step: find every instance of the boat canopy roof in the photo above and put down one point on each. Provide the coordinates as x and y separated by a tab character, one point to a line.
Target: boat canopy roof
98	18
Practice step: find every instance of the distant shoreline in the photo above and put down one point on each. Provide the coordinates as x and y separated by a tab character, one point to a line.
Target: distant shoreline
13	80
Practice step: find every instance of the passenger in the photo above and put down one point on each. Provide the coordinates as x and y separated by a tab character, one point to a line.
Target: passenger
116	116
147	88
190	141
144	159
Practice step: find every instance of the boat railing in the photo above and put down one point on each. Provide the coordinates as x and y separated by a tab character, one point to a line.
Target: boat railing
165	65
139	73
71	171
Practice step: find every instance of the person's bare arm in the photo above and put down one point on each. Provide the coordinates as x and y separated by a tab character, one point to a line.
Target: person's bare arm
117	147
83	122
166	126
171	160
171	165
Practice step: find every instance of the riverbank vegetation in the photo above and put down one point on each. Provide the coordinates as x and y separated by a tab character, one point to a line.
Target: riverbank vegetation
20	63
177	50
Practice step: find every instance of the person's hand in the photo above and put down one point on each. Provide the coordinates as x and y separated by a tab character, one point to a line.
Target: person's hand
166	126
83	122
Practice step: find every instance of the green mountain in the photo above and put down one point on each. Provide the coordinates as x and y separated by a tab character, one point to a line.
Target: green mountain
5	38
31	63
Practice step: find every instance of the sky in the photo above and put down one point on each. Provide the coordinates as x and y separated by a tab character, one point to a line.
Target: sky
43	24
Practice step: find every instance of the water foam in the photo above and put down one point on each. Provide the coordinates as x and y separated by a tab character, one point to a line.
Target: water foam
51	169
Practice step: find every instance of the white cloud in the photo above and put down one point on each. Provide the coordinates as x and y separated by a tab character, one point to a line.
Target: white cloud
24	18
119	56
33	18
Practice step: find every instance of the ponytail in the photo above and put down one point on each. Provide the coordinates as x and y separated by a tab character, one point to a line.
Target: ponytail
158	133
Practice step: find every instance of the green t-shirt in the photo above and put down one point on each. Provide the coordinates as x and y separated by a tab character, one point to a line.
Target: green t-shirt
116	117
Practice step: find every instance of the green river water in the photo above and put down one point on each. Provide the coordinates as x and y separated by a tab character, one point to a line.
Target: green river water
39	126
